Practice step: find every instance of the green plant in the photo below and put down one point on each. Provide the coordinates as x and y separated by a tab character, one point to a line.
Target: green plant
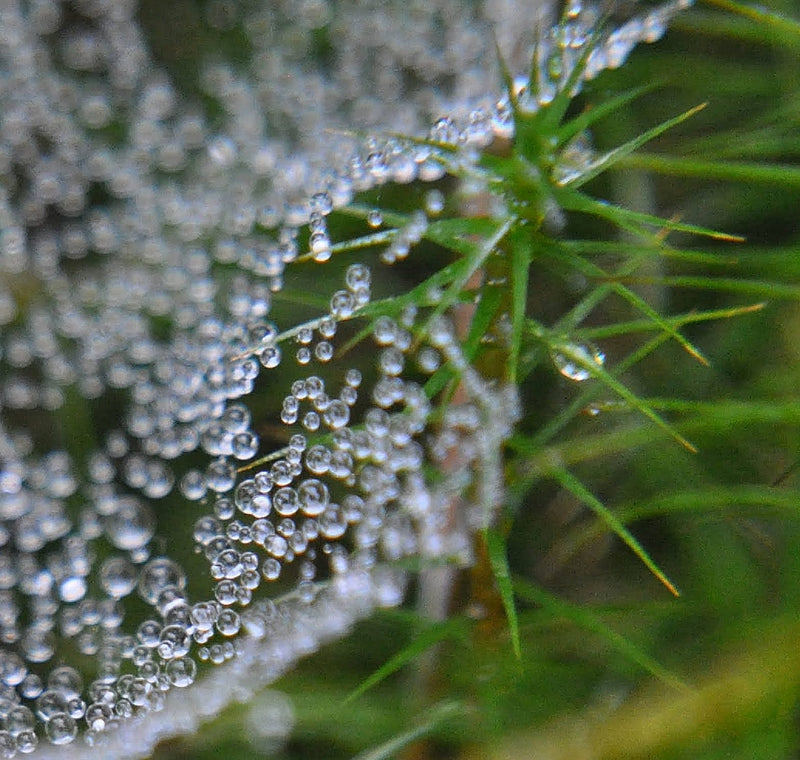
539	426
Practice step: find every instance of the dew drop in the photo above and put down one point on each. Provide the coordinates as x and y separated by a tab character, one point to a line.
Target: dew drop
157	575
193	485
434	202
228	622
343	304
321	203
285	501
323	351
311	421
117	577
320	245
357	277
131	525
270	357
61	729
572	360
428	359
244	446
271	569
332	523
337	415
313	497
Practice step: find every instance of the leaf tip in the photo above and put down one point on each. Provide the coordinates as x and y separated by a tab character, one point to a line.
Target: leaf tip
729	238
696	354
671	587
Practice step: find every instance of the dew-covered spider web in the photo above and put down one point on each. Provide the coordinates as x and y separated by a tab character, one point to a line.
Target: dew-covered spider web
200	482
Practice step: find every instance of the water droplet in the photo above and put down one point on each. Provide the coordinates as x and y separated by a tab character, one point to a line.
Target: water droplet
117	577
323	351
228	622
132	524
337	415
313	497
343	304
270	357
220	475
384	331
222	151
285	501
434	202
244	446
157	575
320	245
61	728
174	641
193	485
332	523
181	671
271	569
574	361
428	359
391	362
321	203
357	277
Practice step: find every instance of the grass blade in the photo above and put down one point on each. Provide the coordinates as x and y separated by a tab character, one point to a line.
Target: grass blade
755	288
591	115
520	272
430	636
638	302
633	221
579	357
772	174
586	619
472	264
615	156
739	498
577	489
675	322
761	15
496	551
434	717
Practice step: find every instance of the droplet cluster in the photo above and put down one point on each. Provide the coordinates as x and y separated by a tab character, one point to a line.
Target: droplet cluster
143	239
